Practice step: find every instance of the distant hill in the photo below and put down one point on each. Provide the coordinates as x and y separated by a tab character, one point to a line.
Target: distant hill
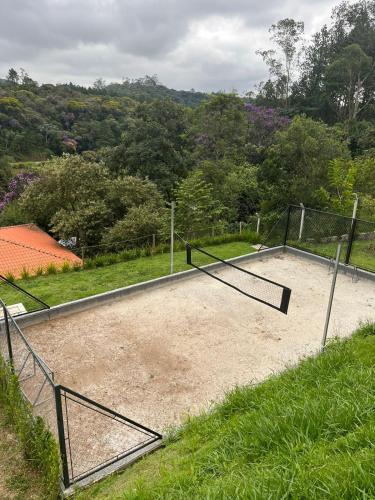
40	120
149	88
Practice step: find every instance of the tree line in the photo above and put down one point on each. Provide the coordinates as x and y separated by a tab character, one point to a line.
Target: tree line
112	162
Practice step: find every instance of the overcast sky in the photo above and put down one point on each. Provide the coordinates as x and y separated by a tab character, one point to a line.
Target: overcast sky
202	44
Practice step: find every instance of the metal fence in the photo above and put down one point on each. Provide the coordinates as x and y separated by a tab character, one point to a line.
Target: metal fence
91	436
318	232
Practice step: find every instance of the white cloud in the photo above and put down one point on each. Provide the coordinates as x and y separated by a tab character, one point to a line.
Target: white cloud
205	44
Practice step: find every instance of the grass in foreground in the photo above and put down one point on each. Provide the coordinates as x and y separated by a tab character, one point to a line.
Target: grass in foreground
18	479
308	433
60	288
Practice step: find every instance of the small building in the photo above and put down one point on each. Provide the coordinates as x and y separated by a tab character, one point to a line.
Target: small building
27	247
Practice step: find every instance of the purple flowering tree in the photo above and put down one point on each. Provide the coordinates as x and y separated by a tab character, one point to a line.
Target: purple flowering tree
16	187
263	123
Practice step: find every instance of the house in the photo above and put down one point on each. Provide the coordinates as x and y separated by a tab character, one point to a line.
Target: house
27	247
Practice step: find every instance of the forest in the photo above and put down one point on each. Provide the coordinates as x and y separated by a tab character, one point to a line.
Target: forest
102	163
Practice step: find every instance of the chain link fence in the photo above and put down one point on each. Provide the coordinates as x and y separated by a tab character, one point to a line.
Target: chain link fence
318	232
90	436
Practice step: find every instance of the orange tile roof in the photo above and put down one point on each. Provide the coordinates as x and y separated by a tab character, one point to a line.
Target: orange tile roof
28	247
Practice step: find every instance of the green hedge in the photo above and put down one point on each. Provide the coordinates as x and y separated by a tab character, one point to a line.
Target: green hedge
39	446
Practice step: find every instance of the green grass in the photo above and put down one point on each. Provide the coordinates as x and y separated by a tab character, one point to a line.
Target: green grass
362	255
59	288
17	478
308	433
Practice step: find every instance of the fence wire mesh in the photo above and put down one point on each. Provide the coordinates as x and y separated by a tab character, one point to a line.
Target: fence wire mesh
90	435
318	232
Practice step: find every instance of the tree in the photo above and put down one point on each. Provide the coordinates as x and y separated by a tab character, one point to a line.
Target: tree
154	145
342	176
196	206
86	221
286	34
69	186
13	76
219	128
345	81
296	165
138	226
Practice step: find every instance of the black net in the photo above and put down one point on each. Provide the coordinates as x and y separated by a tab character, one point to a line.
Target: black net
250	284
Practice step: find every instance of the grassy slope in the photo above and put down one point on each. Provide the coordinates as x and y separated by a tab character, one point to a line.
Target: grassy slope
60	288
307	433
17	478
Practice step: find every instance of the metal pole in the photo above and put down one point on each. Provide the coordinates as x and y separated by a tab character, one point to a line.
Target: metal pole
258	222
240	227
61	434
355	207
153	242
173	206
333	285
287	226
302	221
7	332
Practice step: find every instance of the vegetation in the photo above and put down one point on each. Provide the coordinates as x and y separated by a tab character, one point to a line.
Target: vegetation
36	441
17	478
307	433
306	135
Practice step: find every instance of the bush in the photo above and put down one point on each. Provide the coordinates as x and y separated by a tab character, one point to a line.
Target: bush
25	274
65	267
10	277
51	269
38	444
39	271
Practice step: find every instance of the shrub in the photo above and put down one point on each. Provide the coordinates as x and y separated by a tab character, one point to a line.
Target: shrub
65	267
51	269
25	274
39	446
39	271
10	277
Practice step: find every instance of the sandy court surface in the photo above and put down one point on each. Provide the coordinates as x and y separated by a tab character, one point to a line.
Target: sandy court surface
163	353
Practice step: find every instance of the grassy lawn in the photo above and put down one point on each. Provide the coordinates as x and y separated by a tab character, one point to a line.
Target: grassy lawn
363	252
308	433
17	479
64	287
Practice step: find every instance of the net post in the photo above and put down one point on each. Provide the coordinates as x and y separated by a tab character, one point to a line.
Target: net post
61	434
188	254
285	298
332	292
287	226
350	241
7	332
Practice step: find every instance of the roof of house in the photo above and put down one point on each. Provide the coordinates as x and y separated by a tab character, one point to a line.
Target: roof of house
28	247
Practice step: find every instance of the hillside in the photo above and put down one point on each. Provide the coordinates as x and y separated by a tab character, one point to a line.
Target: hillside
40	120
307	433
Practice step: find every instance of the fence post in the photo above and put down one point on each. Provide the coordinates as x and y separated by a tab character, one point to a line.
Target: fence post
61	433
287	227
173	205
350	241
7	332
240	227
153	243
258	222
302	221
333	285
